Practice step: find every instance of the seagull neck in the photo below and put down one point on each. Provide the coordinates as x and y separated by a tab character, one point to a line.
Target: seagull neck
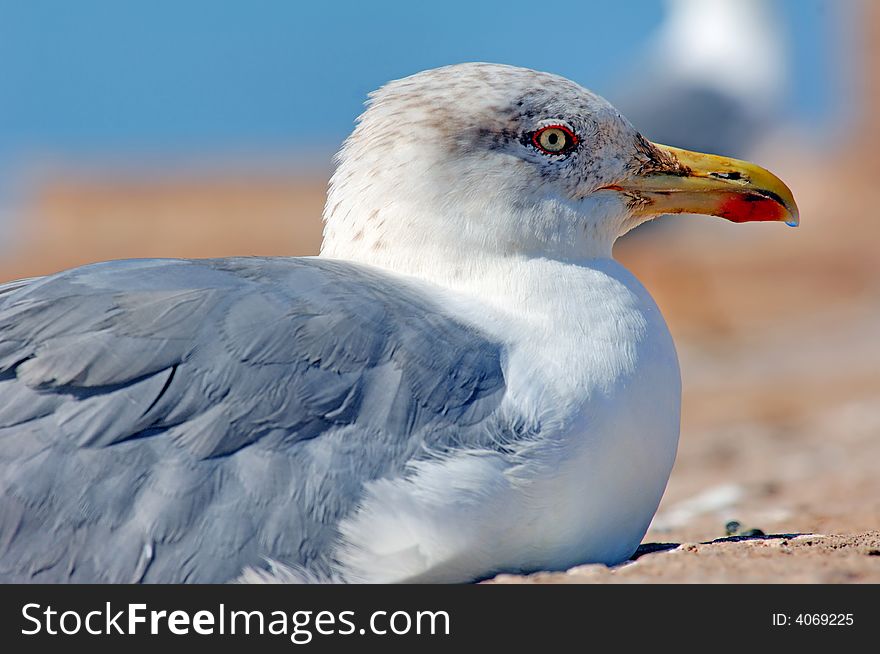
522	285
504	256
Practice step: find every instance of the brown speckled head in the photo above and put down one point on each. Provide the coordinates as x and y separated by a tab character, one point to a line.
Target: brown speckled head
454	150
485	110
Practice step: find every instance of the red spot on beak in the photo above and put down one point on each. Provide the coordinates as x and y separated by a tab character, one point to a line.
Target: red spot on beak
748	207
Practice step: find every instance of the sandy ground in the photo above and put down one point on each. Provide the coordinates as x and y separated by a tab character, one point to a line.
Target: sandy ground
788	558
777	331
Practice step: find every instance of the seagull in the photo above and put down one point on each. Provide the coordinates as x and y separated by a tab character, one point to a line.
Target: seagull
712	77
463	383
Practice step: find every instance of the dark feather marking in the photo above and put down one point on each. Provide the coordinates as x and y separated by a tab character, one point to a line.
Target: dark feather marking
161	392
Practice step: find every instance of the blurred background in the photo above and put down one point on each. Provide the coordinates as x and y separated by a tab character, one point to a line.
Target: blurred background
199	129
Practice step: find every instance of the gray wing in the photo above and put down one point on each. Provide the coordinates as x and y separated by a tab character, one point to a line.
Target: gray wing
172	420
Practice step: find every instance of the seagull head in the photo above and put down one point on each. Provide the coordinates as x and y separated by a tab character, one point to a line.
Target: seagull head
489	160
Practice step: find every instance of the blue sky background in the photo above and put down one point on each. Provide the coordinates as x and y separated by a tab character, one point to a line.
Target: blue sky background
96	77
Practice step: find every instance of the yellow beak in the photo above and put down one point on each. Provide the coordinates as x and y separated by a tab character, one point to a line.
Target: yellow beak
671	180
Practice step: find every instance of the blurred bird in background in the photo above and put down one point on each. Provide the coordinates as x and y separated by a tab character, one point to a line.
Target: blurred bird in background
713	77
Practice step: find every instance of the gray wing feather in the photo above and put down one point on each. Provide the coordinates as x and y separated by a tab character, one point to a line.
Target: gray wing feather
168	420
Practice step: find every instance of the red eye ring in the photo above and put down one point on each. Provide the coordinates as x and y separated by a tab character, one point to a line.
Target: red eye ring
569	142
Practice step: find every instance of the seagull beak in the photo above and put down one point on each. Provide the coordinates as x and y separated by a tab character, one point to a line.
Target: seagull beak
671	180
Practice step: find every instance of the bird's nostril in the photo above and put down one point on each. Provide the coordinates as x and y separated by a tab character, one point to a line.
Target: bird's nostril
732	176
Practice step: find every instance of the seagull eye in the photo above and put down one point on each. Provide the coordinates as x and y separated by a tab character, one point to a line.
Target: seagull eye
554	139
